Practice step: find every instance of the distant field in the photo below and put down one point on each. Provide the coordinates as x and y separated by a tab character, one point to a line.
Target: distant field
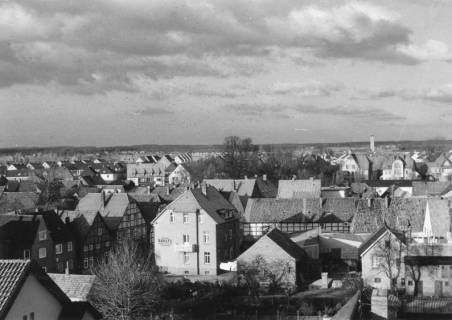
68	150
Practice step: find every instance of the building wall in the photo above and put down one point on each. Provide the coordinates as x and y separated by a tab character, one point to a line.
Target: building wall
429	276
169	248
349	249
34	297
371	274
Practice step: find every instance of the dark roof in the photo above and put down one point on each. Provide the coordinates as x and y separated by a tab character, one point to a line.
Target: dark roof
77	310
388	183
59	231
283	240
265	188
148	210
13	274
428	260
18	230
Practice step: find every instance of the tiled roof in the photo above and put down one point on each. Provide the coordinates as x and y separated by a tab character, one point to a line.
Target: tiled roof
277	210
430	188
213	203
405	212
343	208
283	241
13	274
76	286
11	201
111	207
439	216
244	187
298	189
369	216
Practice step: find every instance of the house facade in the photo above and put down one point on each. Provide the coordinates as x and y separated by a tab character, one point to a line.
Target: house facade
195	233
381	255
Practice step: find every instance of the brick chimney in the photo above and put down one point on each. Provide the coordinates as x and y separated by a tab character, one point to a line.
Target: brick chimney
324	280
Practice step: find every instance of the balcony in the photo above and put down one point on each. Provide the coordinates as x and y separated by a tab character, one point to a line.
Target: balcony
186	247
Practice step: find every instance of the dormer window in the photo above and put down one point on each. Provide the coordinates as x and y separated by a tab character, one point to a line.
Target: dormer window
171	217
185	218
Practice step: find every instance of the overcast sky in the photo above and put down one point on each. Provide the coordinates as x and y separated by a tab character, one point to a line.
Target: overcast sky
118	72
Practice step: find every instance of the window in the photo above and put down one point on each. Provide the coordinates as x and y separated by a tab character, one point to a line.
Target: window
98	246
387	244
446	283
206	236
91	261
444	272
32	316
26	254
206	257
85	263
91	247
171	217
25	318
230	234
185	238
206	272
410	283
59	248
185	218
42	235
186	272
99	231
377	280
42	253
402	281
186	257
85	248
377	261
69	246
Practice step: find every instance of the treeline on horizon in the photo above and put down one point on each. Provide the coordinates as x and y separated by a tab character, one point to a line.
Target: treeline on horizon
407	145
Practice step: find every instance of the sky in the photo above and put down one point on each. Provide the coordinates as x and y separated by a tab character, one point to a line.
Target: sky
127	72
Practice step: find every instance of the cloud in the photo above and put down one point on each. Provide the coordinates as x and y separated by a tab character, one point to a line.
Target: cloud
154	112
307	89
71	43
440	94
363	113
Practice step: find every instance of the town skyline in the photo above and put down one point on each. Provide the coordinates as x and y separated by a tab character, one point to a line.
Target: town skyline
106	74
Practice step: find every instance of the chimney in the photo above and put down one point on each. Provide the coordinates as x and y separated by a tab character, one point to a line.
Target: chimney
148	189
167	190
66	271
204	188
246	177
264	177
324	280
372	143
294	177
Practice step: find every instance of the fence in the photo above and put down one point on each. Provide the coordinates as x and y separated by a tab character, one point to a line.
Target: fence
430	305
256	230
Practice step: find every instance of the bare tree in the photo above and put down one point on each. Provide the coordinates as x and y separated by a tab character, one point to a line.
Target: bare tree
275	274
390	252
127	285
